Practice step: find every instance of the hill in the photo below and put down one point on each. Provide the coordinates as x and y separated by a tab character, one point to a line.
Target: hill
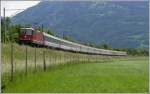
119	24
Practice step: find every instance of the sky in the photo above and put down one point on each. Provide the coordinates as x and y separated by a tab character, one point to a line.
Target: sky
13	6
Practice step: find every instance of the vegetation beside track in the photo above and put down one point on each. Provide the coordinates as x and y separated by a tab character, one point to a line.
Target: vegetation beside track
10	33
52	57
119	75
93	73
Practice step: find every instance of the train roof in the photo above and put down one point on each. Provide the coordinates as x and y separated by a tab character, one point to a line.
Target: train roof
74	42
28	28
31	29
79	44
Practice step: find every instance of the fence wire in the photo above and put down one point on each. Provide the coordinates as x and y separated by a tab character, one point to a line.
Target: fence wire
27	59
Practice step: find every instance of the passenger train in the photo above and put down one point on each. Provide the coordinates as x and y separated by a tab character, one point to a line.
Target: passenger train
30	35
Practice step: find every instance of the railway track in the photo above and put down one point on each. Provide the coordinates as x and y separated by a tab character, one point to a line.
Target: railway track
36	37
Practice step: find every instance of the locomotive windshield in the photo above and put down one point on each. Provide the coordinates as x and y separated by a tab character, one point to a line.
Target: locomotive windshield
26	31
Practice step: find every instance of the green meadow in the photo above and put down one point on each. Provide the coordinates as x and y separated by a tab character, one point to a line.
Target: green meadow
124	75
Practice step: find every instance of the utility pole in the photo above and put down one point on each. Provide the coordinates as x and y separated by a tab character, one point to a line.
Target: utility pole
4	26
4	20
35	58
44	61
42	28
11	59
26	60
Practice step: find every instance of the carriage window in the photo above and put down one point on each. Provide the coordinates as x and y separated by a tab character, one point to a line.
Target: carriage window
26	31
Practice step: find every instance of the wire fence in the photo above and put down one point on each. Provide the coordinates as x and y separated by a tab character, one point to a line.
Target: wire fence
25	59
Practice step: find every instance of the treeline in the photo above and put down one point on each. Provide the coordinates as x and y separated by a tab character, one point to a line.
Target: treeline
134	51
10	31
130	51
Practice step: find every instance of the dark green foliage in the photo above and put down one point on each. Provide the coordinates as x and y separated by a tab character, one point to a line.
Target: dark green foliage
15	31
134	51
49	32
119	24
5	24
66	37
10	31
46	30
130	51
105	46
69	38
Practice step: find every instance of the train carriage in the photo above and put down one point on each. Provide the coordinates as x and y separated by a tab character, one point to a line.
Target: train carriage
30	35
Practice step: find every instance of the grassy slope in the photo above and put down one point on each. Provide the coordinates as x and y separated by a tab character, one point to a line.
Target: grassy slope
52	57
116	76
19	53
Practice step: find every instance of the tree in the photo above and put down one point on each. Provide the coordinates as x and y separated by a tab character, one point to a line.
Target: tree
15	31
67	38
50	32
104	46
90	44
5	24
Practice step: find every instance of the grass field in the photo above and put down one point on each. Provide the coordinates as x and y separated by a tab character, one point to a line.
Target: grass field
120	75
52	57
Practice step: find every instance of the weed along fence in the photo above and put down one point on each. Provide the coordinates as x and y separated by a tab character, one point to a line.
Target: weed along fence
26	59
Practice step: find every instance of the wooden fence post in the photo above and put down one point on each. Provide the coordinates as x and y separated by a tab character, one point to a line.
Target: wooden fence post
26	61
4	33
35	58
88	58
60	59
55	59
44	63
11	61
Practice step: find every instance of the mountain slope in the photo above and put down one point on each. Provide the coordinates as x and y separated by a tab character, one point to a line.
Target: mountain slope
119	24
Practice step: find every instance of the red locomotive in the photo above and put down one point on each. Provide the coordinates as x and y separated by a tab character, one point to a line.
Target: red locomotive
30	35
35	37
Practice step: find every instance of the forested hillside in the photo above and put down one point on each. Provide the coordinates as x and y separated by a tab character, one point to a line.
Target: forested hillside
119	24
